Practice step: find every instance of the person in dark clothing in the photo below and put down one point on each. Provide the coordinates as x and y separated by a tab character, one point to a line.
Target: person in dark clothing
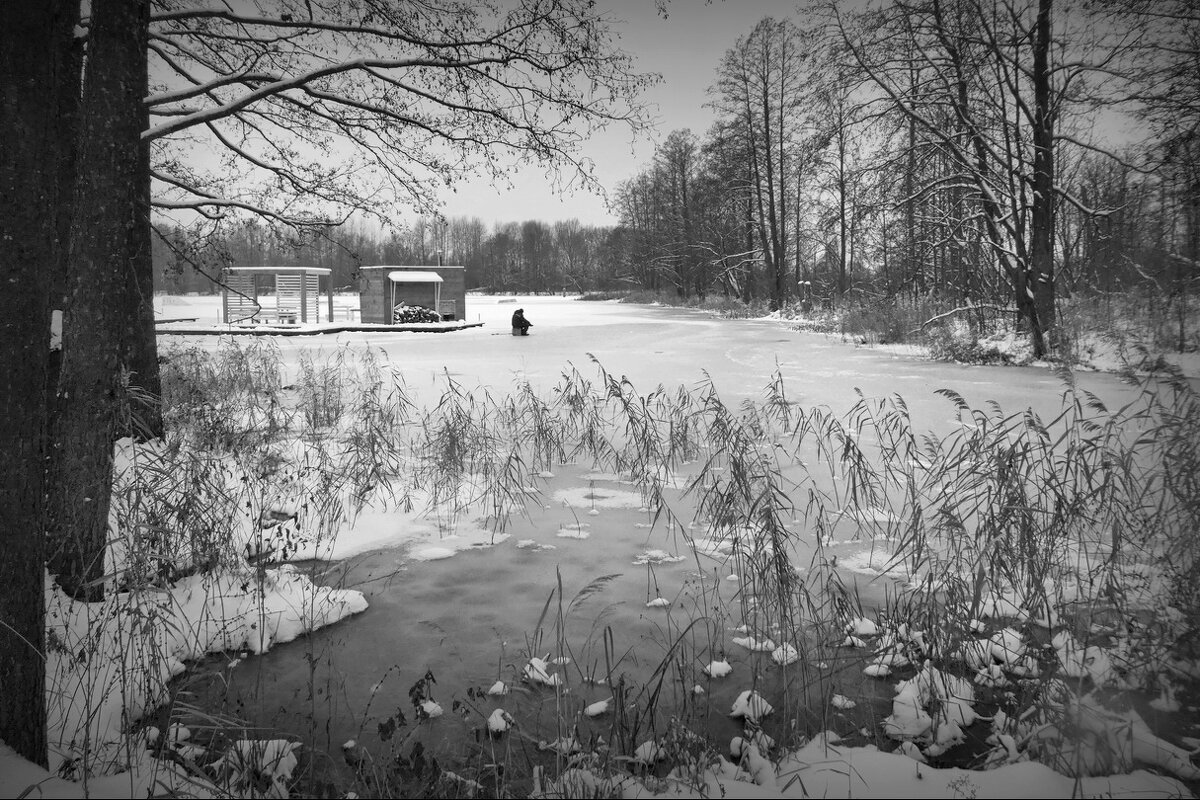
520	325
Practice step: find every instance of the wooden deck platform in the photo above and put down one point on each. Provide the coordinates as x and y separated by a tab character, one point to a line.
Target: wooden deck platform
175	329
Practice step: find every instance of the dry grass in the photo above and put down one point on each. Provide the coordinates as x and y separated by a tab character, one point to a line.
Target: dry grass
1061	515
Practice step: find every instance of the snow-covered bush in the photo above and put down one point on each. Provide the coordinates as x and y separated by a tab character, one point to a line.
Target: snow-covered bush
890	321
957	341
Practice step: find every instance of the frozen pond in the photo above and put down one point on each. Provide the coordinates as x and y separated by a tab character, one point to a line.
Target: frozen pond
671	346
469	619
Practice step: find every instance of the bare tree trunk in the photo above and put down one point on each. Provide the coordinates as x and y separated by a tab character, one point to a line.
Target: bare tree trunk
1187	266
140	342
748	280
768	218
796	241
756	182
843	238
35	64
912	264
107	203
781	238
1041	251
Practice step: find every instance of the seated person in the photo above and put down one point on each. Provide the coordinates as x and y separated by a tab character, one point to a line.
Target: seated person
520	325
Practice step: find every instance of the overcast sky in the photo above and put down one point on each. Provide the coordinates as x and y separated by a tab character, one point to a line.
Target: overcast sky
685	49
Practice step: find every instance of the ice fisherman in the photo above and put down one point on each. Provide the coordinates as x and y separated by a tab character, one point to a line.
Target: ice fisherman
520	325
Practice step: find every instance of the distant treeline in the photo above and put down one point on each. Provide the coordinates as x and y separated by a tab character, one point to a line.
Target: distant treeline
530	256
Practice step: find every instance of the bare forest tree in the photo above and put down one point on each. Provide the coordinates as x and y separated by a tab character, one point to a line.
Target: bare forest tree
988	85
955	150
661	205
1165	91
639	205
759	85
728	225
737	211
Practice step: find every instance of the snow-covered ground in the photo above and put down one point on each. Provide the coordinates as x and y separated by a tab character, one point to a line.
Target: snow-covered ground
1095	350
825	768
669	347
666	347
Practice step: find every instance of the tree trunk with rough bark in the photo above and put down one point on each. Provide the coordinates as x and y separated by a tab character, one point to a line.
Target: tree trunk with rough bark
92	390
35	45
140	344
1041	245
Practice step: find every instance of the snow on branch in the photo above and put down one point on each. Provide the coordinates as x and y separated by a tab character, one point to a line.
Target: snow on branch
281	85
965	310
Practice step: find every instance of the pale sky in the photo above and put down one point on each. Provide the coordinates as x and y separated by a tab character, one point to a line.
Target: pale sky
685	49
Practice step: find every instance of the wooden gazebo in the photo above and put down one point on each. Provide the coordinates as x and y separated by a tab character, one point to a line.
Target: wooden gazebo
441	287
297	295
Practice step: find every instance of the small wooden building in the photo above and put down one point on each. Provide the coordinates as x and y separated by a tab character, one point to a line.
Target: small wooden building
442	287
297	294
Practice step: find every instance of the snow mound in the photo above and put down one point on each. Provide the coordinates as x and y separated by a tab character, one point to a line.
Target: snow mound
231	610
